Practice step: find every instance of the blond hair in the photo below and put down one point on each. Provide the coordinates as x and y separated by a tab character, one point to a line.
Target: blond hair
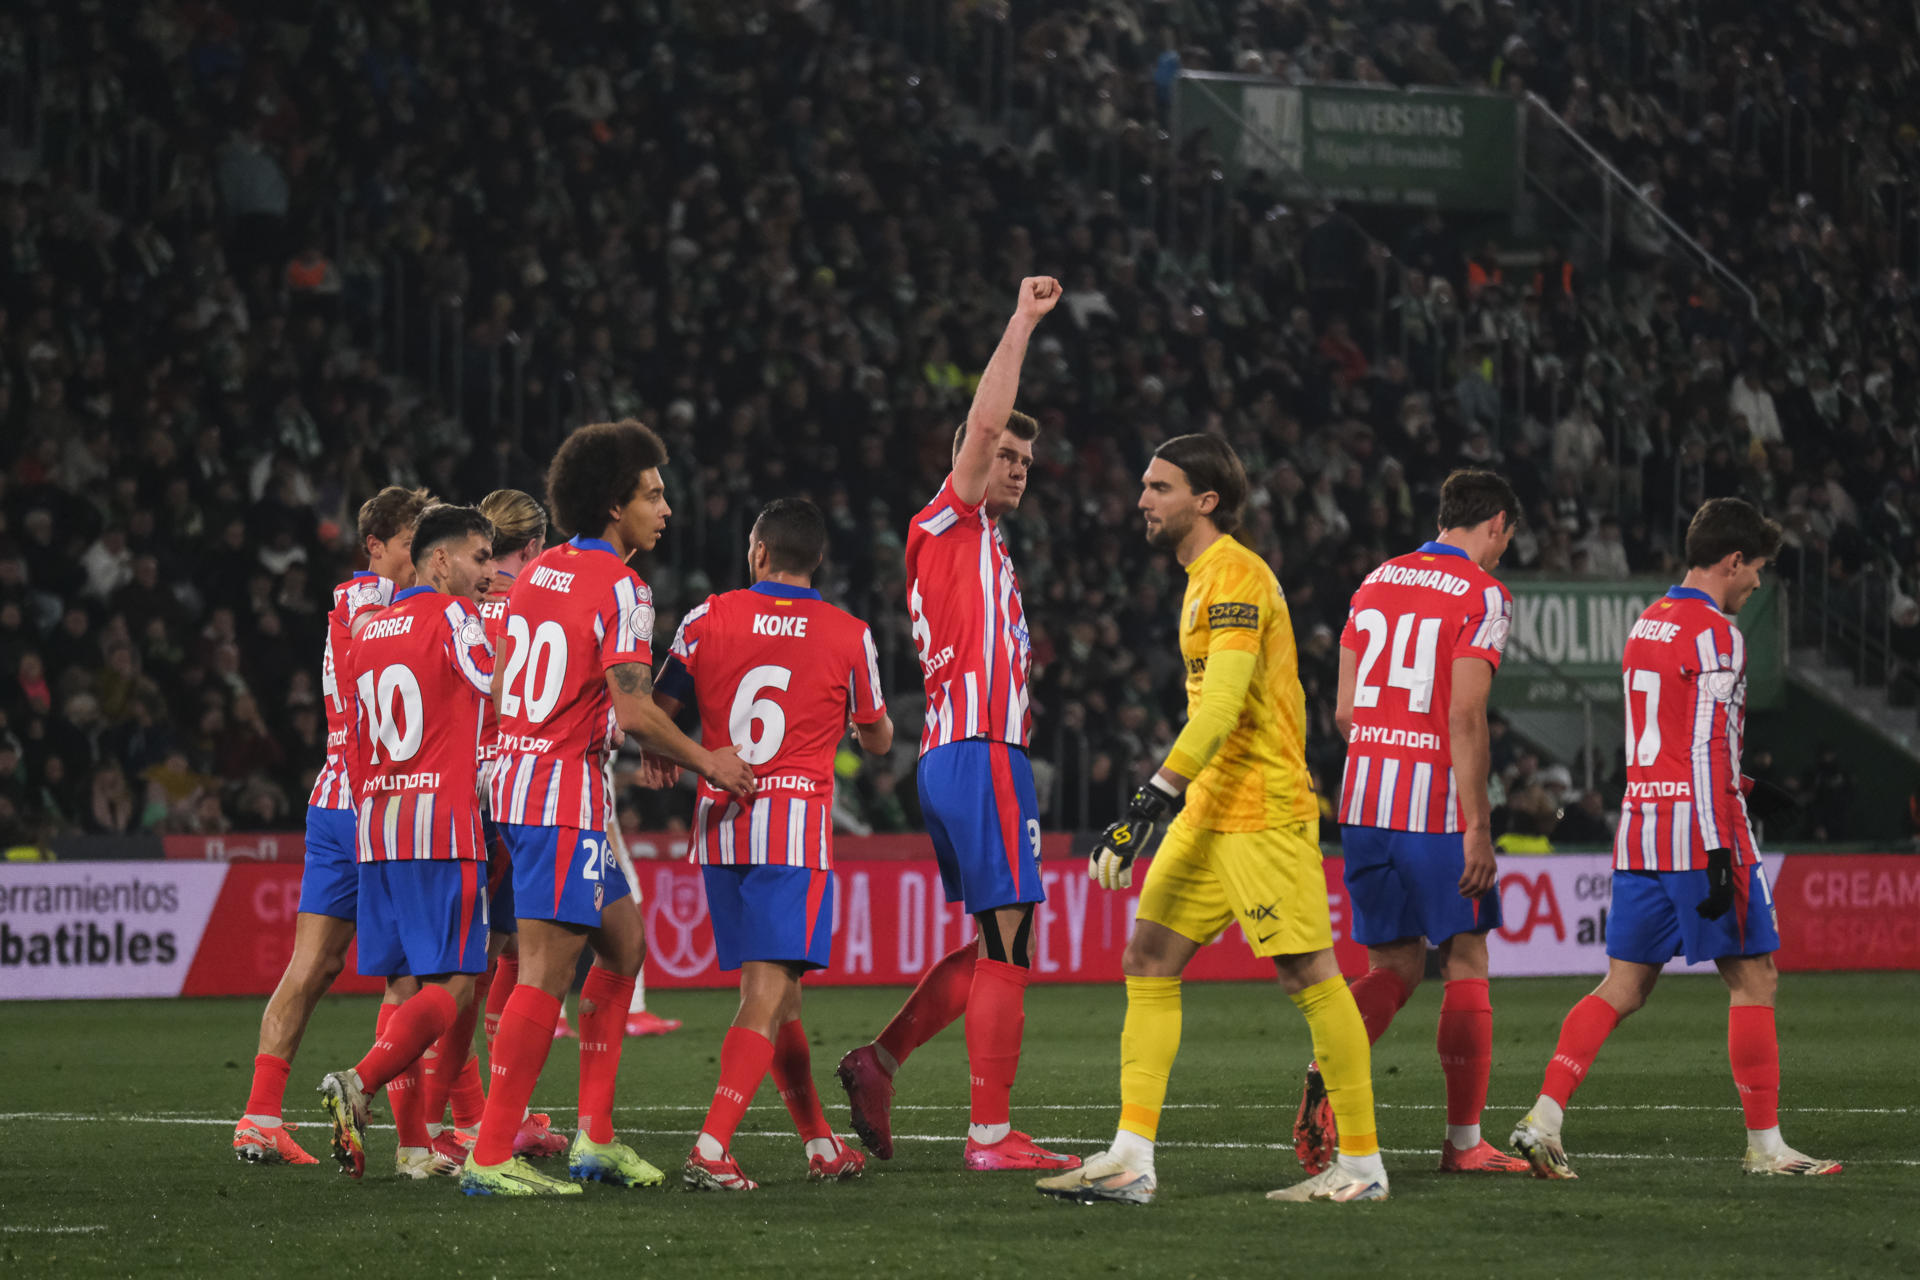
518	520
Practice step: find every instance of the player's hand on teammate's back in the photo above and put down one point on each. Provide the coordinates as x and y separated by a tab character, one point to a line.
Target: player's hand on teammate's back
1110	864
730	773
1038	295
1481	870
1719	899
657	773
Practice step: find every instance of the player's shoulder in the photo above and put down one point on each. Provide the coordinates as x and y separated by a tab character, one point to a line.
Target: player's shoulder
1239	569
361	592
944	513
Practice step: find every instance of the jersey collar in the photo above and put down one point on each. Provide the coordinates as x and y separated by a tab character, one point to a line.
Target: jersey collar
591	544
1442	549
785	592
1692	593
411	592
365	573
503	573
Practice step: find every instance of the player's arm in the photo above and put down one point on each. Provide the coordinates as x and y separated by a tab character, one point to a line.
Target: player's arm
876	739
867	710
999	384
1232	655
631	686
1468	748
1343	701
1716	774
671	693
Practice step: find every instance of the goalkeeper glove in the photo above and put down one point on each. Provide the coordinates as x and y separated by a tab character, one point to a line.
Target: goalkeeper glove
1719	899
1111	863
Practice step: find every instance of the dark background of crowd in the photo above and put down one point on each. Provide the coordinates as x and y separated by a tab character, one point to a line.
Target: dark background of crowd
259	262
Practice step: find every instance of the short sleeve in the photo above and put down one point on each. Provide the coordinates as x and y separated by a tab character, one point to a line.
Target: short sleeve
1350	634
687	637
1234	613
468	646
1484	625
624	625
947	512
867	702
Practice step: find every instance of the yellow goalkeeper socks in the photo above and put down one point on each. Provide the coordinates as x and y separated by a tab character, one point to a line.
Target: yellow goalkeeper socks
1149	1042
1346	1061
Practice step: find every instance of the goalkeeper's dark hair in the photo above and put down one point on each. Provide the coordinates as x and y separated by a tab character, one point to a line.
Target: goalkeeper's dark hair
444	522
1724	526
1472	496
1211	466
794	533
597	469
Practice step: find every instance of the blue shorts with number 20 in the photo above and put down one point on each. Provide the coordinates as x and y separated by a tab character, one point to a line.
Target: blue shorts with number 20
562	874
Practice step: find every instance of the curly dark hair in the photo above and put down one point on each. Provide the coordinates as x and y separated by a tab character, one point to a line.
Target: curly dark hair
596	469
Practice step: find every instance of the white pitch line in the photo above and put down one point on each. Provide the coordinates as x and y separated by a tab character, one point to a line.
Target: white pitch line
54	1231
1063	1140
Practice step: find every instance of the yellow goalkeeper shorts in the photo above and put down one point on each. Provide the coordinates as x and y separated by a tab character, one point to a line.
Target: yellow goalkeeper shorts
1271	881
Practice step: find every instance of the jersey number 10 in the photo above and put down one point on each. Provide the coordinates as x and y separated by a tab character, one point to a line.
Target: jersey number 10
1416	677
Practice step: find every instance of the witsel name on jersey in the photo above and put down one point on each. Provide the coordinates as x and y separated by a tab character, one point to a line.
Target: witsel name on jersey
551	578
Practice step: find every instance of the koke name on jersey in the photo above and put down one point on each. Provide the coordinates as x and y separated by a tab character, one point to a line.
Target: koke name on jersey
774	624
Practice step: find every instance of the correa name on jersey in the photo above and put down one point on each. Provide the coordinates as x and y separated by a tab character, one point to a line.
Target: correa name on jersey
364	591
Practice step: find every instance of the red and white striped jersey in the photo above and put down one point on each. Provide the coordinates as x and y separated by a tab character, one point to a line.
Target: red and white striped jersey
420	670
1684	673
1410	619
777	672
493	615
968	625
573	613
365	590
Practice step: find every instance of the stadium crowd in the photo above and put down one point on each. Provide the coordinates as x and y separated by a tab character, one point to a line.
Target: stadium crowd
773	236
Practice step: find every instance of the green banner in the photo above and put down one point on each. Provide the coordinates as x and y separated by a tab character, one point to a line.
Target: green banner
1429	147
1568	636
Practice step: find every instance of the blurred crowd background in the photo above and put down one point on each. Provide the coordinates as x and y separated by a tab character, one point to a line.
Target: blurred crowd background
257	261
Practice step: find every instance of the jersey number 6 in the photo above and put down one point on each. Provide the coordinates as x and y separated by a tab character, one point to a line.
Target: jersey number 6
750	710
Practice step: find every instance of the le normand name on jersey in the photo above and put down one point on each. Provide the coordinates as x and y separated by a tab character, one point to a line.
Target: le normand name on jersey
1405	575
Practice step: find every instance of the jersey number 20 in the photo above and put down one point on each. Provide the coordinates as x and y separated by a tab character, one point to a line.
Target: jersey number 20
1416	677
540	654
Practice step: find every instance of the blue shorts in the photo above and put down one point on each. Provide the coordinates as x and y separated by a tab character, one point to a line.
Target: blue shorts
562	874
1653	917
500	917
978	801
779	914
330	880
423	917
1406	884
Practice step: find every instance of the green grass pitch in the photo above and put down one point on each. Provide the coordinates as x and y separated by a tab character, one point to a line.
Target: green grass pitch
114	1156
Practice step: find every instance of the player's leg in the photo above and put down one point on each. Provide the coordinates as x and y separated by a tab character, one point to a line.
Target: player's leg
405	908
642	1021
322	931
998	848
1741	944
1385	918
940	997
558	894
1275	881
746	1056
1587	1025
1182	906
619	949
829	1158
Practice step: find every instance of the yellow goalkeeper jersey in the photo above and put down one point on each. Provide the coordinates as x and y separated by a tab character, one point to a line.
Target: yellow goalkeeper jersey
1258	778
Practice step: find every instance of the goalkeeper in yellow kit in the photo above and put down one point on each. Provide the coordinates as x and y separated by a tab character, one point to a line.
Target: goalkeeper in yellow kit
1245	847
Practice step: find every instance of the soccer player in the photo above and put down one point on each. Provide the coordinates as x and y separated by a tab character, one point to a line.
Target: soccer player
777	671
577	669
1687	878
329	882
1245	847
976	783
519	534
1423	638
421	858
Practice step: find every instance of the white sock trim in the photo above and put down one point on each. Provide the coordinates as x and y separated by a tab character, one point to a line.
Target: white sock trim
1363	1166
265	1122
708	1146
1549	1113
1132	1150
885	1059
988	1134
1463	1137
1767	1142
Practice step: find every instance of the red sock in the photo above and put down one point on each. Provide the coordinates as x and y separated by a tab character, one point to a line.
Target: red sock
269	1085
1587	1027
409	1029
939	999
603	1031
744	1058
996	1020
1466	1048
506	976
469	1096
1380	994
793	1073
1753	1046
446	1061
519	1051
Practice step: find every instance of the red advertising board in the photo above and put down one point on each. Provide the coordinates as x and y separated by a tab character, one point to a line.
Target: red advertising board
1859	912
